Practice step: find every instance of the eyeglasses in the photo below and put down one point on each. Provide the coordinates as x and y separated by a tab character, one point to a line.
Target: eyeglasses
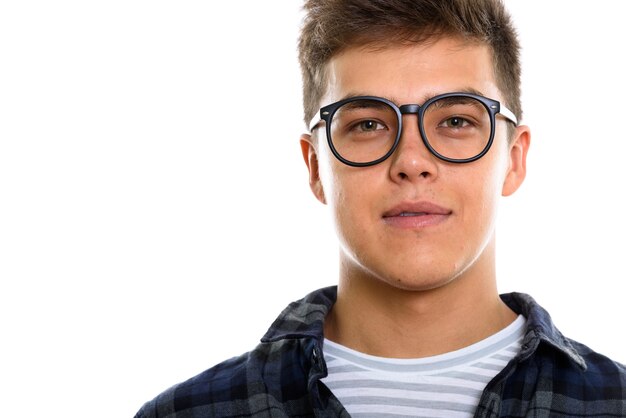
455	127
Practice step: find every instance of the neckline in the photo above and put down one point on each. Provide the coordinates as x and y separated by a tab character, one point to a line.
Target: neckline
509	335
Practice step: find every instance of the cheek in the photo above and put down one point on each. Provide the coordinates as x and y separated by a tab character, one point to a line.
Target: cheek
490	171
483	186
347	194
351	194
332	179
326	162
342	184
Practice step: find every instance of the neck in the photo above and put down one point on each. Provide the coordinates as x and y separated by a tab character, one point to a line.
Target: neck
376	318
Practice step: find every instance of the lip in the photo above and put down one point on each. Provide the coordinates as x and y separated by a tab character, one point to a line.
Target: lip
416	215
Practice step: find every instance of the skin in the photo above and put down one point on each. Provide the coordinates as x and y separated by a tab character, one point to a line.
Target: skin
427	289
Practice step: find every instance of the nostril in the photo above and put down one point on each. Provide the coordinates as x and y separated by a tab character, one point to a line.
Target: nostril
404	176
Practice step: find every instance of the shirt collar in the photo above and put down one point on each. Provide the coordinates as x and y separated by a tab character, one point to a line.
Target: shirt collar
305	319
540	328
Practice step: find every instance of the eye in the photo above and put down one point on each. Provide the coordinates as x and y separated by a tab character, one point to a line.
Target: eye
455	122
369	125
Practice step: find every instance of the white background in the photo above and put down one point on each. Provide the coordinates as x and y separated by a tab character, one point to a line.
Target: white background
154	209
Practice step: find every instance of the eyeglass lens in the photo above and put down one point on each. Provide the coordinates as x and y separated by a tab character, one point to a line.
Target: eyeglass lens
365	130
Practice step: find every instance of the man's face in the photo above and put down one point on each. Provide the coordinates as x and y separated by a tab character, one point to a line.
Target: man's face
414	221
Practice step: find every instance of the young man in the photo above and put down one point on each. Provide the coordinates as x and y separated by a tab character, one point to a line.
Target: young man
413	110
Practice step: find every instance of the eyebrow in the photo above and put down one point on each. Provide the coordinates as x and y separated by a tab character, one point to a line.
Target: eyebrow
364	104
454	101
424	99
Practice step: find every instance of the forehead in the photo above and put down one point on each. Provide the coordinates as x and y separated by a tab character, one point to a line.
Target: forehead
412	73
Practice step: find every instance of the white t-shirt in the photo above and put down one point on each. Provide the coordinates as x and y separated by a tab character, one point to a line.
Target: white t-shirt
448	385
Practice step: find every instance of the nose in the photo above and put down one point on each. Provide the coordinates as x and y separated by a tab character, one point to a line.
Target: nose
412	161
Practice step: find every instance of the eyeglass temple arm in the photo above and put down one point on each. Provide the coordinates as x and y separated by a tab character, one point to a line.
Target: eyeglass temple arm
315	121
504	111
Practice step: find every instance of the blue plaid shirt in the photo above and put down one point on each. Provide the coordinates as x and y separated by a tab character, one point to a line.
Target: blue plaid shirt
552	376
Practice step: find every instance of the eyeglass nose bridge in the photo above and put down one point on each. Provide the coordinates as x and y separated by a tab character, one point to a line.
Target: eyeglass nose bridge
413	109
409	109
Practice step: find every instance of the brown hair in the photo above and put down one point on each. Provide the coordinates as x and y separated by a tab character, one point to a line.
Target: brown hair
331	26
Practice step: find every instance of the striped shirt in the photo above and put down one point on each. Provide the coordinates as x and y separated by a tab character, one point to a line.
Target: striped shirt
552	376
447	385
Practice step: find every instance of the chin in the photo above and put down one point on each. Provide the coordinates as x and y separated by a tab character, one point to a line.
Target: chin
405	273
417	285
424	281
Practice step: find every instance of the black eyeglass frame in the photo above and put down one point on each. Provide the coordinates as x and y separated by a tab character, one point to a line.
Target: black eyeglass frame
493	107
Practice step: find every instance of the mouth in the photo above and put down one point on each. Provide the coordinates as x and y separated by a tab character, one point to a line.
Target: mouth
416	215
413	213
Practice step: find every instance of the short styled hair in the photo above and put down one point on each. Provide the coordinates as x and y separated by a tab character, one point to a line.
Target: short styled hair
331	26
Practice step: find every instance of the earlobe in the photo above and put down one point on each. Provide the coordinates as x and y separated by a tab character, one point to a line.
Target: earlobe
310	158
518	150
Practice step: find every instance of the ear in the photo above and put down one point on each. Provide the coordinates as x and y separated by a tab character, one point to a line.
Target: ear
518	149
310	158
